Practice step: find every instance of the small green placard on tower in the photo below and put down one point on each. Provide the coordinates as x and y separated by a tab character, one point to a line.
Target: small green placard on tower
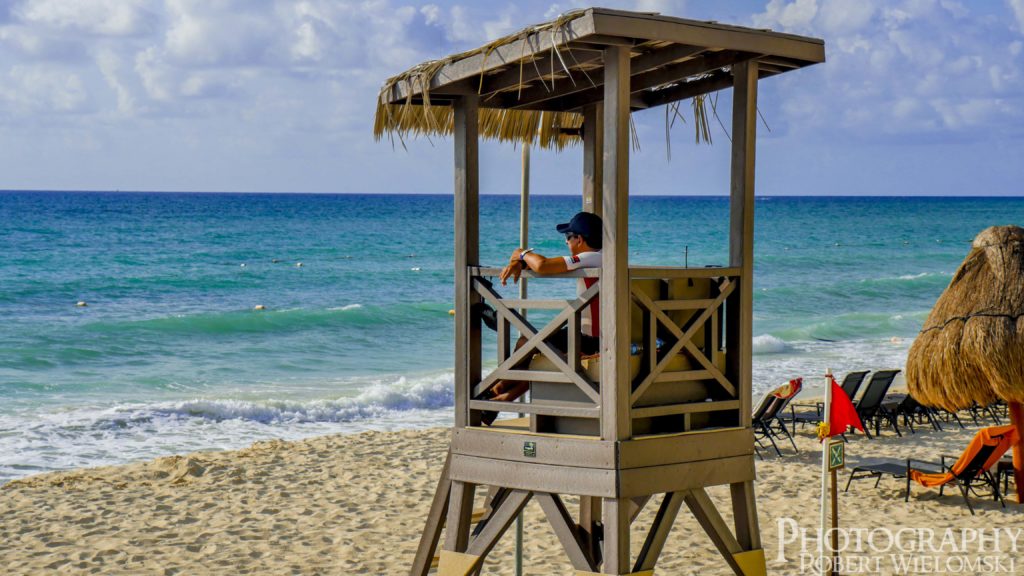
836	455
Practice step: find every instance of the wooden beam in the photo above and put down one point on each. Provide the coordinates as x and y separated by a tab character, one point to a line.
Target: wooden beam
498	523
741	231
526	72
460	511
593	152
435	523
562	409
744	512
685	476
535	477
716	81
615	299
667	29
685	447
672	272
615	517
551	449
605	40
685	408
504	55
647	71
566	530
711	521
590	517
467	252
658	535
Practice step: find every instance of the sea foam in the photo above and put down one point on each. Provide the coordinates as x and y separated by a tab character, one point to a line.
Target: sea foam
768	344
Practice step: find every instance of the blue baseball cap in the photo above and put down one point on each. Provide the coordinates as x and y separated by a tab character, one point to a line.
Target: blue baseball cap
585	224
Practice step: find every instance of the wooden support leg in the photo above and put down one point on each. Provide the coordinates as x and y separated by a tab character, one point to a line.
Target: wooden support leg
660	529
500	520
454	559
435	523
590	516
566	530
744	511
743	562
615	517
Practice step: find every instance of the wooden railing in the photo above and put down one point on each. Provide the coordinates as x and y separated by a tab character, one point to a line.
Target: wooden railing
568	366
685	307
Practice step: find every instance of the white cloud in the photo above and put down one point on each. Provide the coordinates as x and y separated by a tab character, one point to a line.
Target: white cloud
793	16
1017	6
36	89
845	17
666	7
110	66
107	17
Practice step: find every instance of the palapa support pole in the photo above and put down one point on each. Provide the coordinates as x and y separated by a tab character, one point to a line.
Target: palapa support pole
524	241
1017	418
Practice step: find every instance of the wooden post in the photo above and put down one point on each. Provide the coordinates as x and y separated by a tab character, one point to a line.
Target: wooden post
467	252
835	525
593	151
615	390
616	536
741	232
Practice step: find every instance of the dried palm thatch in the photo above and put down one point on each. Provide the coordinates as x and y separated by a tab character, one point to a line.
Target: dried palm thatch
971	348
547	129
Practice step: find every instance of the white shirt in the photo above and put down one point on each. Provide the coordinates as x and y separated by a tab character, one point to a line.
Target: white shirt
590	319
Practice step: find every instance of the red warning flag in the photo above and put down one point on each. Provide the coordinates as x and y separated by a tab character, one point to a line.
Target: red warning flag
842	413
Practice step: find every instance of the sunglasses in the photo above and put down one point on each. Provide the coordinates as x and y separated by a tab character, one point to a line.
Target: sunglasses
571	236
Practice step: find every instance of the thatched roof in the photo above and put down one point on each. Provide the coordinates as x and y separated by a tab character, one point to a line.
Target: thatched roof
533	85
971	348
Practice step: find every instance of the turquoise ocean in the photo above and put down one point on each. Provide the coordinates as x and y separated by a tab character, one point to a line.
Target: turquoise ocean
170	356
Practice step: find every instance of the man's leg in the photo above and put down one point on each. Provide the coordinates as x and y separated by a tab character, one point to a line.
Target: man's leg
509	390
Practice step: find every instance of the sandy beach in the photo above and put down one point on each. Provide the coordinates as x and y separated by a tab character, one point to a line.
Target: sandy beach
355	504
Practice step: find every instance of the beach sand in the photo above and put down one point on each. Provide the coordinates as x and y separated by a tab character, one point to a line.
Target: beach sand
355	504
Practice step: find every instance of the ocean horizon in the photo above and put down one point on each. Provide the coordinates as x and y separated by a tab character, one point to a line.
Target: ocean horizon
169	354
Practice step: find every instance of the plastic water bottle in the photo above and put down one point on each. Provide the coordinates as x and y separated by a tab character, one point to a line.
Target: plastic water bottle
635	348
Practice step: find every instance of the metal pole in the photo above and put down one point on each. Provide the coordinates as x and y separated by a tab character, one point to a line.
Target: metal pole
825	569
524	241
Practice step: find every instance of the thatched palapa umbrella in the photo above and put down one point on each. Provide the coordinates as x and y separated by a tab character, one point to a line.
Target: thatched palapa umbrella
971	348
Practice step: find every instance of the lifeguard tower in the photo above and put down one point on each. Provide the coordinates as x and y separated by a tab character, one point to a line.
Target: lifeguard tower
620	430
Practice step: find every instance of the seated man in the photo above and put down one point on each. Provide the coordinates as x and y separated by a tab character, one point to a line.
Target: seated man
583	237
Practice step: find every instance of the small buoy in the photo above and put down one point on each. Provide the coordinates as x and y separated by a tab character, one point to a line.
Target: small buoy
451	312
298	264
82	304
895	339
415	269
259	307
242	265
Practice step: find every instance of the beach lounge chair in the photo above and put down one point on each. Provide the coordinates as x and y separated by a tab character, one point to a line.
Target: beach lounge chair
870	409
851	384
989	410
972	469
765	419
911	410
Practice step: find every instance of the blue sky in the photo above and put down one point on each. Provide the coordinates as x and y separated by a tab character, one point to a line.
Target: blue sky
918	97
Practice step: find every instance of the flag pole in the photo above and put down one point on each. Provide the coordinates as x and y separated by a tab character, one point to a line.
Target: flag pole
823	434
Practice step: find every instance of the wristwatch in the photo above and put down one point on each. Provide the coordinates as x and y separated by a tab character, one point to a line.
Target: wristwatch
522	255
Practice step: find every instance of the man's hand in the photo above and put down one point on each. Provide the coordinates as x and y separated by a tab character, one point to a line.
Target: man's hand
514	269
515	256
